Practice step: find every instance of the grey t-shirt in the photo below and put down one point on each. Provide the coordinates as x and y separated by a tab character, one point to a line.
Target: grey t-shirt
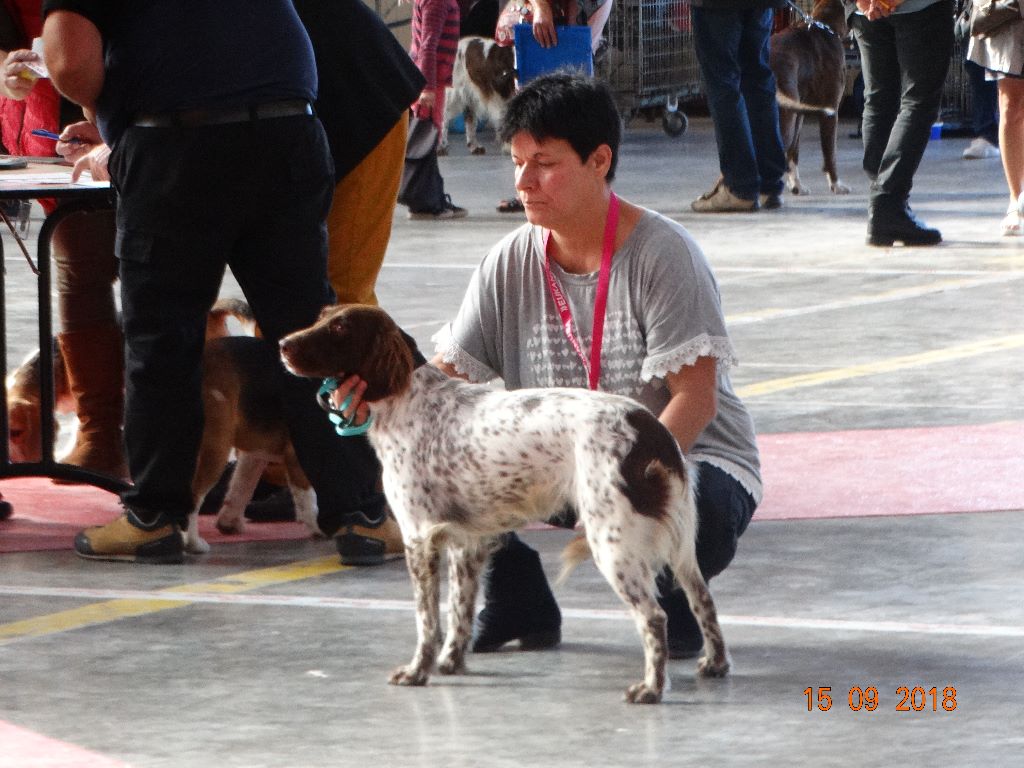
663	312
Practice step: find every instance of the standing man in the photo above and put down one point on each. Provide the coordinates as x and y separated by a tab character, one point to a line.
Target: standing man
731	39
905	48
218	161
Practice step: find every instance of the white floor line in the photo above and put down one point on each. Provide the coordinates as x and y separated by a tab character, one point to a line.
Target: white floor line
372	604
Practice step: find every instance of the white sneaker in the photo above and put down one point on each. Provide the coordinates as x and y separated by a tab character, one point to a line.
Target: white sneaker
981	149
721	200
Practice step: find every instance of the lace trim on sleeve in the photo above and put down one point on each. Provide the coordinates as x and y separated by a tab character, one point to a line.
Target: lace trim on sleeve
718	347
453	354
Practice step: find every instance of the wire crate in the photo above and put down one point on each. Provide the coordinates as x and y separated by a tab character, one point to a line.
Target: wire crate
649	60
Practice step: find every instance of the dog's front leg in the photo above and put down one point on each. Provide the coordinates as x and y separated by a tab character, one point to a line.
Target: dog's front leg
464	566
424	561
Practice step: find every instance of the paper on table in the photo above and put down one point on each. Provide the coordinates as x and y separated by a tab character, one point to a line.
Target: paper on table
49	178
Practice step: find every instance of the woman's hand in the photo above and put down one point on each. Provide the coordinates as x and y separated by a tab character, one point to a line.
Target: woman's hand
544	23
356	387
18	78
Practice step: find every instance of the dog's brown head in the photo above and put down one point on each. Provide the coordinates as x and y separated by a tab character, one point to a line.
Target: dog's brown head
352	339
832	13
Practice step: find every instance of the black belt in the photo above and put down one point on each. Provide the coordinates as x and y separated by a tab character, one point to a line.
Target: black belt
192	118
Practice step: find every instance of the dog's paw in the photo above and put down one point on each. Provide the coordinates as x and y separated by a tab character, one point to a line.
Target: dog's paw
840	189
452	664
477	150
708	667
230	526
641	693
409	675
195	545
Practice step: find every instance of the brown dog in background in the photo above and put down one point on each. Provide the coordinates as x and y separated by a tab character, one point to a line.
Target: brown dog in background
25	441
809	64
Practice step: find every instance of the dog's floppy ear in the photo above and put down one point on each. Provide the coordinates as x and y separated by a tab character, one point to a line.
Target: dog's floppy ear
387	370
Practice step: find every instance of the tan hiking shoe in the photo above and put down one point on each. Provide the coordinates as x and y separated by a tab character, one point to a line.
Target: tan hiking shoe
128	538
721	200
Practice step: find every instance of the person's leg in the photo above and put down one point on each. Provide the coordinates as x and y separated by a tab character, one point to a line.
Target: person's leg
518	603
984	104
359	222
1011	142
90	339
923	44
1011	133
757	83
881	73
717	37
724	509
175	221
281	264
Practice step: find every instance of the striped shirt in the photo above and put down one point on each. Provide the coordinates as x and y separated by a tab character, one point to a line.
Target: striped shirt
435	39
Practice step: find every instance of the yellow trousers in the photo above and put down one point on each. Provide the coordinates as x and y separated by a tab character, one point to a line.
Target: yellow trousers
359	222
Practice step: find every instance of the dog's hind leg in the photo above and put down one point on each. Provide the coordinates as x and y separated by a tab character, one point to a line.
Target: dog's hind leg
715	661
829	126
248	468
424	560
464	566
633	581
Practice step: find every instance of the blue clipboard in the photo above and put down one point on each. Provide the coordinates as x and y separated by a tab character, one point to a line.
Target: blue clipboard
572	52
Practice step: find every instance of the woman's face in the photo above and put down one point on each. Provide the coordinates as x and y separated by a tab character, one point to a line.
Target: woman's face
552	181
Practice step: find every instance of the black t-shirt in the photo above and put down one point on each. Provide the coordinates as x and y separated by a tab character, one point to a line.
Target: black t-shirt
367	79
169	55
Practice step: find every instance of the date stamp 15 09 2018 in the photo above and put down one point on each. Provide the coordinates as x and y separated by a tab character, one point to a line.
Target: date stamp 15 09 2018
918	698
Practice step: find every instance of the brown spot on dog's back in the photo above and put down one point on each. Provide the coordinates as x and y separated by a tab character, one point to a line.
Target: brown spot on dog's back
650	464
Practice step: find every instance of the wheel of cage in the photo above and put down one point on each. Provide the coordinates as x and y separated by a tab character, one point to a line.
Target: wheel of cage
673	121
650	62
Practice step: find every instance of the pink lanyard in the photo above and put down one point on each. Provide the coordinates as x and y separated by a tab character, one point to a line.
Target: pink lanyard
593	365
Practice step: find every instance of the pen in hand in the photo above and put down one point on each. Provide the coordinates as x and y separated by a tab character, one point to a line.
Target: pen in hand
55	136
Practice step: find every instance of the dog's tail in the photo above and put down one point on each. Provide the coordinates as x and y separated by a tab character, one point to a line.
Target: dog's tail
785	102
576	551
217	319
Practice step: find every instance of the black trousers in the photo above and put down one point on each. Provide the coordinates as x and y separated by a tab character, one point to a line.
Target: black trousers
252	196
904	59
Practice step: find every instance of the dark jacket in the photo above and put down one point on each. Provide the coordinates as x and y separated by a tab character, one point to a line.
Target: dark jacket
367	80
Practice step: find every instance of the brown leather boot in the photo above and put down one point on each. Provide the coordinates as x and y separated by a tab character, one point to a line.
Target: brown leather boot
94	359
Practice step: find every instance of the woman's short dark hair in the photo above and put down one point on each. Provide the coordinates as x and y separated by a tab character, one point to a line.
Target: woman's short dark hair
564	105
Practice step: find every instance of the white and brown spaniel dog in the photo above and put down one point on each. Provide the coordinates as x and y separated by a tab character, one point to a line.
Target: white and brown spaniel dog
465	462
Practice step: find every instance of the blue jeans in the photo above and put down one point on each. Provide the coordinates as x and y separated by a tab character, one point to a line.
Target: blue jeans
904	58
732	48
984	104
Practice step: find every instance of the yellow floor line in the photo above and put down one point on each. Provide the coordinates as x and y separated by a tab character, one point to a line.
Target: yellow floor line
958	352
113	610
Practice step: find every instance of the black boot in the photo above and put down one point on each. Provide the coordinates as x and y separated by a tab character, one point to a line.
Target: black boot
518	604
890	222
685	640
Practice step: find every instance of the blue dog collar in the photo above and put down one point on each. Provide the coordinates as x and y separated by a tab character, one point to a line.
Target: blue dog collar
343	425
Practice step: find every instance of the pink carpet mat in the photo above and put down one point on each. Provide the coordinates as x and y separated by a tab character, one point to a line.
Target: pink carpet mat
855	473
975	468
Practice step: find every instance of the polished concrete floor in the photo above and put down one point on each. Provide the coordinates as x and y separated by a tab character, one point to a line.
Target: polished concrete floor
272	654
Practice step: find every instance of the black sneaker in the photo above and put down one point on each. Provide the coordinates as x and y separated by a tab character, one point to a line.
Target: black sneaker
448	210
